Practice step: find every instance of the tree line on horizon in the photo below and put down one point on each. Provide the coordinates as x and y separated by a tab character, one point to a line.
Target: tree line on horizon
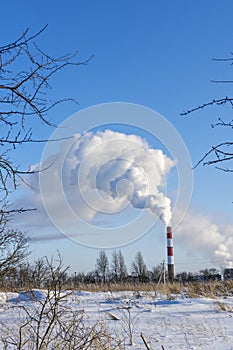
115	270
39	274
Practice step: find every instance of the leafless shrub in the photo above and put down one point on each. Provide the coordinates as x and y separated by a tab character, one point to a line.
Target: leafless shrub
128	319
49	321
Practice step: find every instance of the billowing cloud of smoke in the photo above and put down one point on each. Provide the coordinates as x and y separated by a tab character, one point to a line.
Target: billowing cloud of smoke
105	172
112	169
198	234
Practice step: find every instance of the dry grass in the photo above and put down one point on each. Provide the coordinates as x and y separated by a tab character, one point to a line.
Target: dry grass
223	307
117	287
212	289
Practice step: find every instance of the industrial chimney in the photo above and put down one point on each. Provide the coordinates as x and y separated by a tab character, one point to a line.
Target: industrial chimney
170	255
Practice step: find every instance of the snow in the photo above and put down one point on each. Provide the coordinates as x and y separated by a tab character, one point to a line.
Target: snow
32	295
179	323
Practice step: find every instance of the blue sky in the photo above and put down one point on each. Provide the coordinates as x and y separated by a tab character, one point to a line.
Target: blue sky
154	53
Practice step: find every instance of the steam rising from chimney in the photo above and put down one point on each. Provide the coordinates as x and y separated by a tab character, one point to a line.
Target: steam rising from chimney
121	169
200	235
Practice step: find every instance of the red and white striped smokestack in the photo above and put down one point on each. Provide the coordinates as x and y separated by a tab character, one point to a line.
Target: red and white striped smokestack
170	255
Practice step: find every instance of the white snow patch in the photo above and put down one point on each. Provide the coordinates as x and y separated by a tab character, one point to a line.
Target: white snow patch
182	323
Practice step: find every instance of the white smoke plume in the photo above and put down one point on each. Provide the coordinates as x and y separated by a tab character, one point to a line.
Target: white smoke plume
213	241
104	172
123	169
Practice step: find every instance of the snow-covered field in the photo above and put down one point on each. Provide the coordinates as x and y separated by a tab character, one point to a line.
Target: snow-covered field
179	323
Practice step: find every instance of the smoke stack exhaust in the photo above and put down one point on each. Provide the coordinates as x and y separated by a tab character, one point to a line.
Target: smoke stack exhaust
170	255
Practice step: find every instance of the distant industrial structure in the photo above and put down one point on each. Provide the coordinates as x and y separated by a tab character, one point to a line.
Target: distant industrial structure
216	276
170	255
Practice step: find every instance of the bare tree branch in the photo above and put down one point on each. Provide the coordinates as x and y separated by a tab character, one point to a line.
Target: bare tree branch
218	102
221	152
25	75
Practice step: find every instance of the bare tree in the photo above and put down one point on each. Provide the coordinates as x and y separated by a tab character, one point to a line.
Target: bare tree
158	273
118	267
22	277
102	265
139	267
40	272
115	266
25	75
223	151
13	251
122	267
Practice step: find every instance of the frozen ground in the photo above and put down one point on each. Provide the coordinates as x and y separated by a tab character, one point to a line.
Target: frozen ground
180	323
